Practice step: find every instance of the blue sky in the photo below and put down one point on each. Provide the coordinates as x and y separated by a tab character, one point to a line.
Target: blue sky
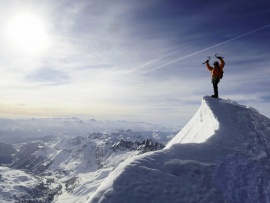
130	60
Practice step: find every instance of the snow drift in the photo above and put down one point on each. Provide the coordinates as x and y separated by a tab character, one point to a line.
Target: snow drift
221	155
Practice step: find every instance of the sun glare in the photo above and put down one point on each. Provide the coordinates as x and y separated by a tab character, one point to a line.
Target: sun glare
27	32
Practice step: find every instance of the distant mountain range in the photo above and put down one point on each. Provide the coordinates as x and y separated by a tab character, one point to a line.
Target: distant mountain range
67	164
23	130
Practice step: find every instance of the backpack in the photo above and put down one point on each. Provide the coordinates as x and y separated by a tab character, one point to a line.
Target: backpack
221	73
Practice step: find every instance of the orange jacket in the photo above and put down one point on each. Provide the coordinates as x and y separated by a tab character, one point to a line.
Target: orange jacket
216	72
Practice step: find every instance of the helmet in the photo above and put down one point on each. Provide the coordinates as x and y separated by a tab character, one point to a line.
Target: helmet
216	63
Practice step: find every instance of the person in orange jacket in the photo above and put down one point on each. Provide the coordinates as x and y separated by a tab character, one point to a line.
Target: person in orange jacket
217	72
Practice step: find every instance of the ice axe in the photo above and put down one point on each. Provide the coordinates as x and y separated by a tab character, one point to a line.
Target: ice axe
207	60
216	55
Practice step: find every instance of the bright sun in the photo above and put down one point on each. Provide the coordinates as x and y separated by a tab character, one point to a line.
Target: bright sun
28	33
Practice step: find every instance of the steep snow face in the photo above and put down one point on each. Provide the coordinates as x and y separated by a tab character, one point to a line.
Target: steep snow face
206	124
227	160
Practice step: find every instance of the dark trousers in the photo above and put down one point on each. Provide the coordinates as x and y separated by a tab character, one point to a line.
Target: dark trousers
215	82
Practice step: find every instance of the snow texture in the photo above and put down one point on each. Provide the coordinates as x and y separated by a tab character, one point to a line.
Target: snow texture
221	155
87	161
18	186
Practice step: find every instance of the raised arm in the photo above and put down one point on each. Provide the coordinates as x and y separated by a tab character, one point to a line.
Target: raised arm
222	62
208	66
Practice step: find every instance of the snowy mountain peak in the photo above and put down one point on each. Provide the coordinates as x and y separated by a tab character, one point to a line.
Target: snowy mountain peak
221	155
205	121
212	116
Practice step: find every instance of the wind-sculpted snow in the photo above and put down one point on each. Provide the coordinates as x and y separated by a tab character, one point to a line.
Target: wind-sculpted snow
221	155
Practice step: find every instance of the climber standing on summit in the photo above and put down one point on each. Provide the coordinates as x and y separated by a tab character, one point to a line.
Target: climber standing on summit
217	73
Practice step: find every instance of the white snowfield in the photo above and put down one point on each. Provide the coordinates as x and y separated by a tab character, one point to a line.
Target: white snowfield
10	182
18	186
221	155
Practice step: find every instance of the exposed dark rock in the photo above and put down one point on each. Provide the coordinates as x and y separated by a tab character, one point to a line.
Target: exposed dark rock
6	153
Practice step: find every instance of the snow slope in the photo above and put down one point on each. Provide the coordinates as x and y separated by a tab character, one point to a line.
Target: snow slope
221	155
87	161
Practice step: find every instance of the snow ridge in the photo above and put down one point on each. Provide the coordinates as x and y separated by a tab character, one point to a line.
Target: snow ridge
206	125
221	155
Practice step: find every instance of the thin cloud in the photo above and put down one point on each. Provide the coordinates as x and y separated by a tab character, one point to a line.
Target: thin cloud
124	58
206	49
49	76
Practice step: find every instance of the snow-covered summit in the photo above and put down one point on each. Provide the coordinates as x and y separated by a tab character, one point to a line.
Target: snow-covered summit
221	155
212	117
